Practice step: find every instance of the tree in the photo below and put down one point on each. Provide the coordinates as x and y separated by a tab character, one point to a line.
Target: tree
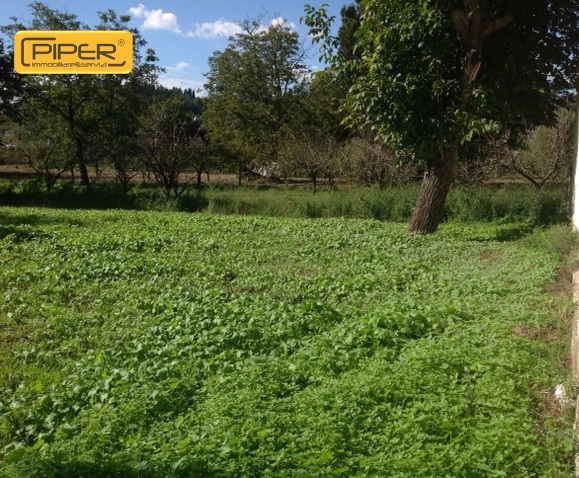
253	87
350	16
167	136
547	152
435	75
64	95
312	155
45	152
203	156
79	104
10	85
121	100
373	163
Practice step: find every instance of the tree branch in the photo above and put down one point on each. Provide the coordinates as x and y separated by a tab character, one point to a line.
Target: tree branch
491	26
460	23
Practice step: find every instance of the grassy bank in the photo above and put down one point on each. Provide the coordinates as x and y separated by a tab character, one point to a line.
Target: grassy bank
506	203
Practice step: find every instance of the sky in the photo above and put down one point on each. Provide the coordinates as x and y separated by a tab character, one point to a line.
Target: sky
185	33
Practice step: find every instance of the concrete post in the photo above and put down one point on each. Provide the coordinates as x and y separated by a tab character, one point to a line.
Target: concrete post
575	329
575	190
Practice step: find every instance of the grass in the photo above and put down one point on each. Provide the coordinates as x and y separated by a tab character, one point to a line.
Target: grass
507	203
147	344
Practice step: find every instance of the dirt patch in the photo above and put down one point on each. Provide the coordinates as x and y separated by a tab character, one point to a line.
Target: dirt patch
490	257
537	332
23	171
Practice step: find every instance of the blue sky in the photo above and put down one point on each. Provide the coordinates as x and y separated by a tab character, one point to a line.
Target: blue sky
185	33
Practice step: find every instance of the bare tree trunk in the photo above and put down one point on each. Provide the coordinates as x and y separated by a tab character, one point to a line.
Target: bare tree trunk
84	179
436	183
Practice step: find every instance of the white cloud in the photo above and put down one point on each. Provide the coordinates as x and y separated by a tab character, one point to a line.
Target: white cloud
219	28
224	28
160	20
181	65
156	19
279	21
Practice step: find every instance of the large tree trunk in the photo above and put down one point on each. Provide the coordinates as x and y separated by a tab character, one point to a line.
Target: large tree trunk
436	183
472	30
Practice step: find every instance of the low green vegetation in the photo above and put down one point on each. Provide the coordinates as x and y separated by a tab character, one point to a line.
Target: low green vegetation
140	344
503	203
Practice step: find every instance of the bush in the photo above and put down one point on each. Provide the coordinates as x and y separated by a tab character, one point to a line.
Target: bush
469	204
510	203
221	205
310	209
192	203
547	207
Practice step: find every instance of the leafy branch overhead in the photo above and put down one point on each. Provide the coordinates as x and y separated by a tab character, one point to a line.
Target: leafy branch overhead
433	76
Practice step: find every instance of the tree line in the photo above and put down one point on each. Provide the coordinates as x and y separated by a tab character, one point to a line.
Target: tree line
429	90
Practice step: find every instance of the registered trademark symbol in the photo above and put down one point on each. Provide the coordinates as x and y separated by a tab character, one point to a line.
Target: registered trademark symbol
121	42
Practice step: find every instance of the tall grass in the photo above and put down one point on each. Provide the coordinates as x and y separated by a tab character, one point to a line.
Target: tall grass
509	203
505	203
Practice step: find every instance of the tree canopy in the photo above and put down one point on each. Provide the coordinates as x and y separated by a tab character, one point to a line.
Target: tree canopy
432	75
253	87
83	105
10	84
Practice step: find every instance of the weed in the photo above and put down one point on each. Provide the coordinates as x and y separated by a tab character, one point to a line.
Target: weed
153	344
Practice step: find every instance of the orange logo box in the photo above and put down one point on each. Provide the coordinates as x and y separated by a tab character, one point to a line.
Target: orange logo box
73	52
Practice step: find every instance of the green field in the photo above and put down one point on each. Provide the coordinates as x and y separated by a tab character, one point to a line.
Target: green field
147	344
